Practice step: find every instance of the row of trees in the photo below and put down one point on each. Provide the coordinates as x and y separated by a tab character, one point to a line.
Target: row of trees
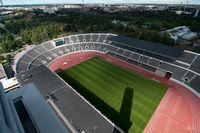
8	42
43	32
34	27
160	19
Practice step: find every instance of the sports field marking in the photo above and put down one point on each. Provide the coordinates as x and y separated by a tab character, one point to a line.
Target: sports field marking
107	83
162	106
172	115
166	100
198	122
157	116
190	101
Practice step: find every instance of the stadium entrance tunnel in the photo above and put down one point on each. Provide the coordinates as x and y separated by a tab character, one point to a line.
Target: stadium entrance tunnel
168	75
122	118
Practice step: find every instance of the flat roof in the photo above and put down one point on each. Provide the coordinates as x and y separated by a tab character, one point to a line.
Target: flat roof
9	84
45	120
81	115
151	47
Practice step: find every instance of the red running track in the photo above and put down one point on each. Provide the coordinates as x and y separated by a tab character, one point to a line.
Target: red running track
178	111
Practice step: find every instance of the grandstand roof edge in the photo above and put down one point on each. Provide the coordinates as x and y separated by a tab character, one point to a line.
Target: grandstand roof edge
160	49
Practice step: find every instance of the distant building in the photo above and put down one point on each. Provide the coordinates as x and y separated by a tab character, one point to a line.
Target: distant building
124	23
7	12
161	8
72	6
182	33
50	9
106	9
179	12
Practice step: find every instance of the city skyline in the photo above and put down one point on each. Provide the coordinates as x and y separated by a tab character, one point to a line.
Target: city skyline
21	2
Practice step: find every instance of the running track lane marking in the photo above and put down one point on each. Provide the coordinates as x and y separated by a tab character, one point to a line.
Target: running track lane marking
166	100
157	116
172	115
161	107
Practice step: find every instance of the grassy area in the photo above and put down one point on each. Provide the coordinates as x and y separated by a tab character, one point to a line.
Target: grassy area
129	100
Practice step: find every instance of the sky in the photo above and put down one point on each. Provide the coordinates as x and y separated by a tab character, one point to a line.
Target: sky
17	2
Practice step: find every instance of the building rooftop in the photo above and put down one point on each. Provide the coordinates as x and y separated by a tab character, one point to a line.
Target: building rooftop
182	32
25	110
9	84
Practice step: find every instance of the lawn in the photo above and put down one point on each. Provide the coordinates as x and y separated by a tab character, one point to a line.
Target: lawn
126	98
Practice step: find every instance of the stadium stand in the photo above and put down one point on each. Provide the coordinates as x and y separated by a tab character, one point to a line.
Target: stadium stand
154	63
69	47
67	40
73	39
112	49
144	59
76	46
183	65
80	37
178	73
49	56
26	58
102	37
40	49
84	46
168	59
33	53
63	49
120	51
133	62
157	57
127	53
95	37
188	76
82	115
187	57
22	66
194	83
196	64
149	68
87	37
135	56
165	66
48	45
147	53
148	46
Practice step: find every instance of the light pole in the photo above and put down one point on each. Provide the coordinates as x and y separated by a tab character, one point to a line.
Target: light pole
1	2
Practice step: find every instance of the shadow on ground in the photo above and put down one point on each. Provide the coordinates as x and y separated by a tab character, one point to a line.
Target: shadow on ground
121	119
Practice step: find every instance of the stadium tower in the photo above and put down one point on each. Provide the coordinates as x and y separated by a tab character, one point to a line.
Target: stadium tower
1	2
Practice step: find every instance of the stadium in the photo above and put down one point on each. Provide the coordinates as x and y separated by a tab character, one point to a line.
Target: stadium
107	83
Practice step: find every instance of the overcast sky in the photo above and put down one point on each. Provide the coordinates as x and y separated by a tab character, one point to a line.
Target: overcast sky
15	2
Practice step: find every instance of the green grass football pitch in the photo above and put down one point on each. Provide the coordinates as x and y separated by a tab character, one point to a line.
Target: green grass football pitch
126	98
